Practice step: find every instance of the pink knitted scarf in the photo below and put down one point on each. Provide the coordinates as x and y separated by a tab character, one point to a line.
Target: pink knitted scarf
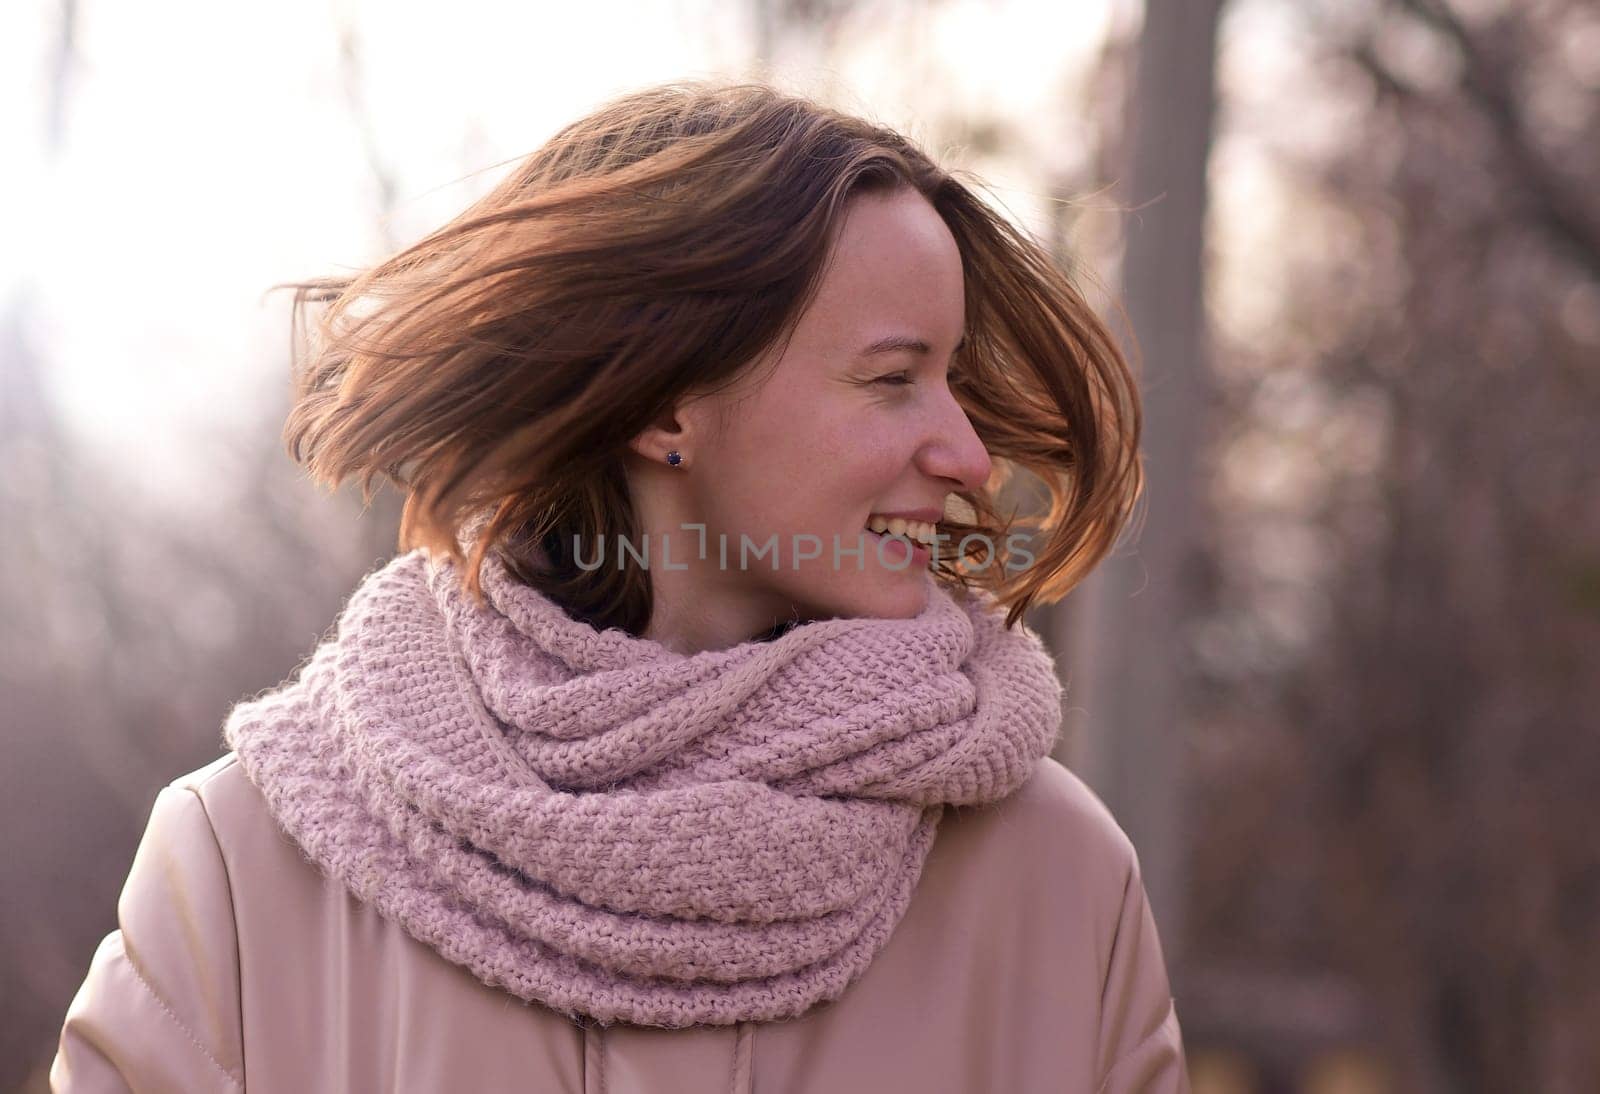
591	821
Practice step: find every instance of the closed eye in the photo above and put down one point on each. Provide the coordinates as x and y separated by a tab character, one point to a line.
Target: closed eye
895	379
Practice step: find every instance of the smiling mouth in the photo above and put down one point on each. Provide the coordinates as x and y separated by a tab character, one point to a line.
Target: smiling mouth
916	548
919	532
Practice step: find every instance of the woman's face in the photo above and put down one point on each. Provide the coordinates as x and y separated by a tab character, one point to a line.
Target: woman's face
818	443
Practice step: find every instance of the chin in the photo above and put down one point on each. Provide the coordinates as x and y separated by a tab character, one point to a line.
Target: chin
889	595
869	594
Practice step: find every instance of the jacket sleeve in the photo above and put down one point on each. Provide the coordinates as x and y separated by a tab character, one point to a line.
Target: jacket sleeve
1140	1043
159	1009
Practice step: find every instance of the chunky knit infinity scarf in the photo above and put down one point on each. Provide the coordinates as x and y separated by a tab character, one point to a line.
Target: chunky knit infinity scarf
591	821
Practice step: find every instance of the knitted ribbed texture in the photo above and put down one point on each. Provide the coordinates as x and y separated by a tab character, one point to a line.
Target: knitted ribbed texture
591	821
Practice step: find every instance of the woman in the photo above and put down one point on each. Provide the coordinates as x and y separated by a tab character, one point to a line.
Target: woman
692	743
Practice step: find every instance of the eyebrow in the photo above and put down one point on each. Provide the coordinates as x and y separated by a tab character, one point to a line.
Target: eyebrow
896	342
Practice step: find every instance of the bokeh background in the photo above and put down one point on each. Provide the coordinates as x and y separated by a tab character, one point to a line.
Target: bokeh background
1339	683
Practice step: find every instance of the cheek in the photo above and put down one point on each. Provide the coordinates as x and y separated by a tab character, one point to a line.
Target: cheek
861	466
879	438
823	455
770	428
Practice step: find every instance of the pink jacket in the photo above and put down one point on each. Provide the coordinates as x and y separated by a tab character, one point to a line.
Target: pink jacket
1028	961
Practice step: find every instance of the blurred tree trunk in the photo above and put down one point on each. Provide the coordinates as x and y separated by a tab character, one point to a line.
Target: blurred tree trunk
1126	630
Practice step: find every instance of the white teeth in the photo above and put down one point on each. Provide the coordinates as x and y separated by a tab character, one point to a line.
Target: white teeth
920	530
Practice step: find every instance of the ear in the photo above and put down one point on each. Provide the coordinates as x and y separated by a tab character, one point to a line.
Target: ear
655	442
676	429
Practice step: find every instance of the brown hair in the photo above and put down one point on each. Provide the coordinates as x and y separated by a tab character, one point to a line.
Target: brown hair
498	368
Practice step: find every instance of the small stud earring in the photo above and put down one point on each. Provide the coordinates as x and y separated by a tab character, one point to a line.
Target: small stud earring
674	458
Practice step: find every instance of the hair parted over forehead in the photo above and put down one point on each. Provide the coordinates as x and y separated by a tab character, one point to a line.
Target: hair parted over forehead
498	368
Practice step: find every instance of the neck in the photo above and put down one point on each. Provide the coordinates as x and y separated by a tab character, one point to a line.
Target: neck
688	619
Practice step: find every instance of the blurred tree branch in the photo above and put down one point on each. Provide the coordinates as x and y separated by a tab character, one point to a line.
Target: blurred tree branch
1564	209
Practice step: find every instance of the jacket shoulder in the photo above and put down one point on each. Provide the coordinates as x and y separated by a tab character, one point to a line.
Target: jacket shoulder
198	778
1053	860
1050	853
1139	1041
1055	809
159	1008
1055	787
235	807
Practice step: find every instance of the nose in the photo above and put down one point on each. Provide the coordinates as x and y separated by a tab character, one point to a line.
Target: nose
952	449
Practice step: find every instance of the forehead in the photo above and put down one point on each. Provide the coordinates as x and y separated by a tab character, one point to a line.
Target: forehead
895	269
